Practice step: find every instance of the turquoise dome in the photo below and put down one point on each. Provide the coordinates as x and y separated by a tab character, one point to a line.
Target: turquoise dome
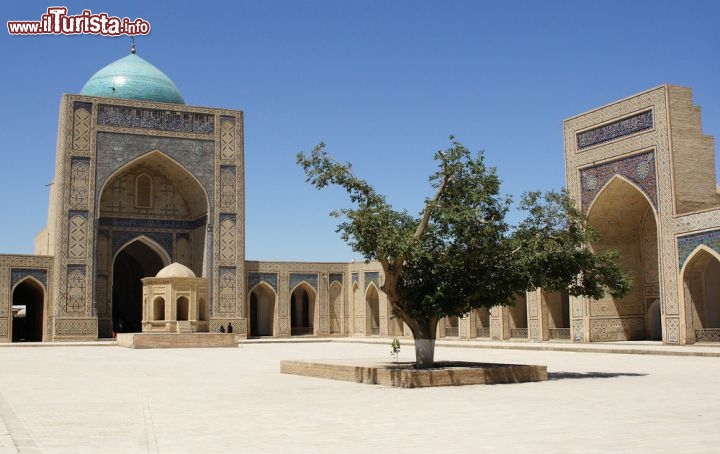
132	77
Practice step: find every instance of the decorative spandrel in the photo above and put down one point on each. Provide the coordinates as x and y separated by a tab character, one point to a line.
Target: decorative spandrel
269	278
639	169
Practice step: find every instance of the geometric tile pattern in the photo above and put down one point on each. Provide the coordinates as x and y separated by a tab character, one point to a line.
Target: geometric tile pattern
269	278
374	278
18	274
311	279
226	301
686	244
227	188
135	117
227	138
227	237
75	327
75	290
640	169
79	182
616	329
81	132
656	140
77	244
616	129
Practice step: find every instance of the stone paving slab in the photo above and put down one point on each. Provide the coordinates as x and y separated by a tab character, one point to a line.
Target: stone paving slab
405	375
117	400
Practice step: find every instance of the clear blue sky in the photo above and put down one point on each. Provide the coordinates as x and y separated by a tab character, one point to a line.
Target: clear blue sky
383	83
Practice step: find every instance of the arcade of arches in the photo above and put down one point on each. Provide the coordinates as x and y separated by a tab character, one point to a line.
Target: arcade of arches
143	182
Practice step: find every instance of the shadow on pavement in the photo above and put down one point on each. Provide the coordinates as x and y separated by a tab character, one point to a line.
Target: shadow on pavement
578	375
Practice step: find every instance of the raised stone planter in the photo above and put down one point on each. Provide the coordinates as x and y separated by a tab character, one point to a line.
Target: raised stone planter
176	340
404	375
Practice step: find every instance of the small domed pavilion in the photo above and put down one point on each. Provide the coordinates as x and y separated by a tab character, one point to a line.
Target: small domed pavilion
175	301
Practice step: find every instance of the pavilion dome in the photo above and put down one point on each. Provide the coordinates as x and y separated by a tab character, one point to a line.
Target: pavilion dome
132	77
175	270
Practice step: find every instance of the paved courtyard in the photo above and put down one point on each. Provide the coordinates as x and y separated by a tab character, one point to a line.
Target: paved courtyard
70	399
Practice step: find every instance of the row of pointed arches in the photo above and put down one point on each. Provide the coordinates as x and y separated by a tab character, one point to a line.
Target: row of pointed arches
263	319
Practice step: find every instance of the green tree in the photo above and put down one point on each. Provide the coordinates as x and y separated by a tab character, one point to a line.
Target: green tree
459	253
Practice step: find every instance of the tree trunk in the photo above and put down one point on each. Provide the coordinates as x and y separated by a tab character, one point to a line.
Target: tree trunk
424	333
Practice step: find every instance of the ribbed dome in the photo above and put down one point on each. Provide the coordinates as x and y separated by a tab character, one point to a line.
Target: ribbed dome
132	77
175	270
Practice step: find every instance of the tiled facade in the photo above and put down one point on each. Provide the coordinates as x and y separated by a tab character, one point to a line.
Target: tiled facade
168	181
655	158
165	183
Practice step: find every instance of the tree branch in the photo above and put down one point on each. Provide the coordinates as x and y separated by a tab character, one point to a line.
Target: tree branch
420	231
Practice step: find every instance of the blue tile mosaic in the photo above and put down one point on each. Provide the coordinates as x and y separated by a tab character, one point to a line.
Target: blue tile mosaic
82	105
116	150
640	169
82	213
335	277
227	216
132	77
373	277
269	278
616	129
121	238
142	223
686	244
296	278
164	120
18	274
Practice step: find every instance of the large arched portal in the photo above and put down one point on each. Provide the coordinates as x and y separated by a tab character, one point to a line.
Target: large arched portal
626	222
155	198
134	262
262	310
701	285
28	300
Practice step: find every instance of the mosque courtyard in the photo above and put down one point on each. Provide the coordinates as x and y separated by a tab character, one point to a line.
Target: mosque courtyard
104	398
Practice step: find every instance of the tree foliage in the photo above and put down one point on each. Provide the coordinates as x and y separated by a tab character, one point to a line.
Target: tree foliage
459	253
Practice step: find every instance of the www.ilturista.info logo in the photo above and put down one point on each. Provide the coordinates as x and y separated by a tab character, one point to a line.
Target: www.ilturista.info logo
57	22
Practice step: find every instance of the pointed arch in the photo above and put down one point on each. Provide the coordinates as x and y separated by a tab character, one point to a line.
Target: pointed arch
29	314
611	182
138	258
150	243
163	164
303	309
700	280
372	309
335	296
699	249
627	221
262	300
33	280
